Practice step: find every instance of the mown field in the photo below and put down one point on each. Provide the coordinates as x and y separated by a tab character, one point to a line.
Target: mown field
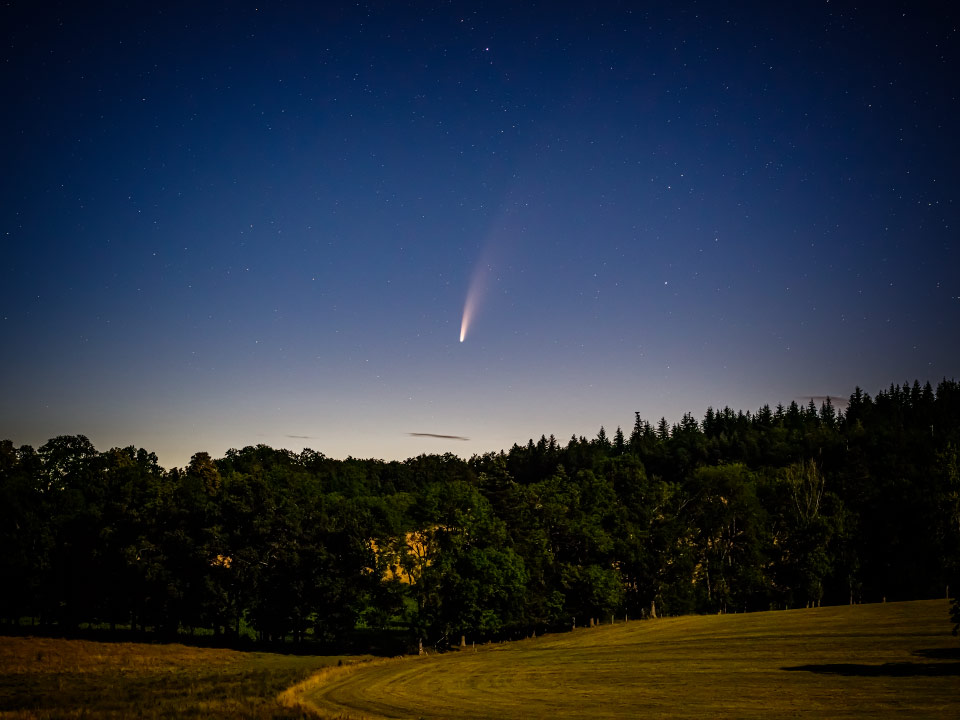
895	659
51	678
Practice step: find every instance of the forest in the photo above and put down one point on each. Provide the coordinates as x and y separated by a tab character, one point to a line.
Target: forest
789	507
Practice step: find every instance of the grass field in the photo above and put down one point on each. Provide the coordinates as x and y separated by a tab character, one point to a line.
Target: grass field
895	659
51	678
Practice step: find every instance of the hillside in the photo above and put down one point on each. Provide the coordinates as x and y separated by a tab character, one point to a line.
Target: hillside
848	661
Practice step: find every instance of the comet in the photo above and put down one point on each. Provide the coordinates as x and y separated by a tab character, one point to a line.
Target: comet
468	307
490	257
474	293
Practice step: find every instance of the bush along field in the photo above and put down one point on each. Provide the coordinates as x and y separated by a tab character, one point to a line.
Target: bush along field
860	661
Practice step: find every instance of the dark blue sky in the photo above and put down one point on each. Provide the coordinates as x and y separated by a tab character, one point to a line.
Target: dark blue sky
232	223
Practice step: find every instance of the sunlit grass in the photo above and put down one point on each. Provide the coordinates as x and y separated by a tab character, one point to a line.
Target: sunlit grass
860	661
53	678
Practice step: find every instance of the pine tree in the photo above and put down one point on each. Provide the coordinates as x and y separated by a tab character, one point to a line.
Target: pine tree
663	430
619	444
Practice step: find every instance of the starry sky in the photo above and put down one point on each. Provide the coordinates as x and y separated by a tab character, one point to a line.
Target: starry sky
231	223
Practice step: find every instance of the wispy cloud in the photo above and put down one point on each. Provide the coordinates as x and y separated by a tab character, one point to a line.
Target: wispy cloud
835	400
436	435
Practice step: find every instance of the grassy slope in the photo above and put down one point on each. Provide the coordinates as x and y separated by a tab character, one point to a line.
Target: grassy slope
50	678
861	661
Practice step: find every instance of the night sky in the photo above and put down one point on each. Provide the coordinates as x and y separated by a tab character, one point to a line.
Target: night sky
226	224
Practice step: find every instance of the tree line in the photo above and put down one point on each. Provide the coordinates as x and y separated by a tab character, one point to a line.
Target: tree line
787	507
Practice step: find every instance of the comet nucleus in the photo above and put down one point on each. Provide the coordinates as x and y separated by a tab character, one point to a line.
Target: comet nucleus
467	313
474	293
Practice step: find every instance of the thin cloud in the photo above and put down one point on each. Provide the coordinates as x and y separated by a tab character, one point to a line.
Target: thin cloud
435	435
301	437
835	400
